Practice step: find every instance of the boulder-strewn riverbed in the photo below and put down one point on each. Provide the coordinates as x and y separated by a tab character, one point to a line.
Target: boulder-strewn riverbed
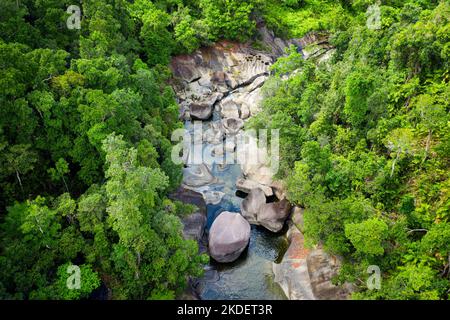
242	221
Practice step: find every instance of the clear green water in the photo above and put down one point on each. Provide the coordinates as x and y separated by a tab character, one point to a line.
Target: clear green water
251	276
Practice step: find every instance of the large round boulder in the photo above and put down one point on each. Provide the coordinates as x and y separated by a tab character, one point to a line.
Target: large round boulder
228	237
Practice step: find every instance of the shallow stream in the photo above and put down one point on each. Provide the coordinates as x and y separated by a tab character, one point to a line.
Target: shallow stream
250	276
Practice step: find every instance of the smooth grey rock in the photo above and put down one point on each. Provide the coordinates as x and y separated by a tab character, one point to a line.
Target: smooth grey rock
232	125
213	197
245	111
297	217
215	133
322	267
184	68
218	150
197	92
197	176
292	273
246	185
189	196
230	146
257	83
252	204
205	81
254	159
305	274
200	111
212	99
228	237
279	188
194	226
229	109
254	100
273	215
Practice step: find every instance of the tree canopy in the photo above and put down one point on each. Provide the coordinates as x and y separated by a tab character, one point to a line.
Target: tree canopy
365	142
86	117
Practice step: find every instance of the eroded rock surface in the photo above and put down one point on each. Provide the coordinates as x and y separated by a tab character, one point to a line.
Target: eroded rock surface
273	215
200	111
251	205
232	125
197	175
269	215
229	108
306	274
194	226
292	273
322	267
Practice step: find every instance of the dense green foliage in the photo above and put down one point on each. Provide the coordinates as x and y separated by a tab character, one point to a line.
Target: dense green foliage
85	122
86	116
365	145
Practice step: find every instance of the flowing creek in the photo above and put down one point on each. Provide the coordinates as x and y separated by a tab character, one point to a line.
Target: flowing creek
251	275
214	84
221	87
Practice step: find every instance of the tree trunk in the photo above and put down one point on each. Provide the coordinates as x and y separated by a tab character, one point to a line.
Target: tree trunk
20	181
65	184
138	258
427	146
393	164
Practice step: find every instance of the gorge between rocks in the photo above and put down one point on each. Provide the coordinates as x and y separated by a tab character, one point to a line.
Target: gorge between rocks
222	87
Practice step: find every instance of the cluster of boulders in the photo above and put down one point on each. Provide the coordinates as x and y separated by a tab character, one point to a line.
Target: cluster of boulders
227	76
230	232
221	86
269	215
226	80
